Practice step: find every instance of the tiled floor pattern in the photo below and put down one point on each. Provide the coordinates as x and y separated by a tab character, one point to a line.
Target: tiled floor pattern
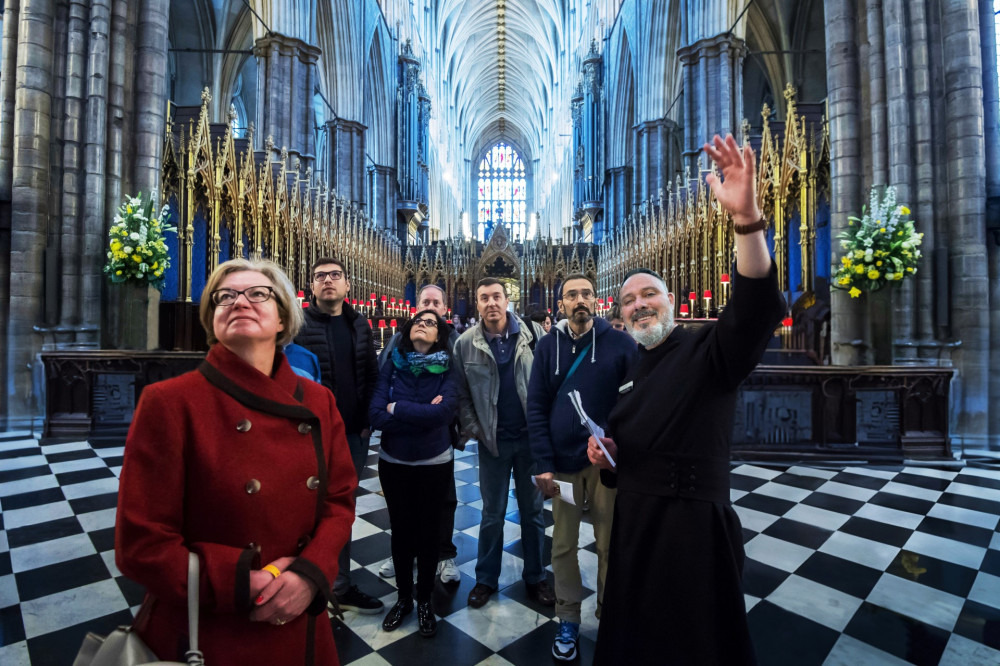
846	566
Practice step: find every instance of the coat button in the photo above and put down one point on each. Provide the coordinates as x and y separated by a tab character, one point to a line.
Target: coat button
253	486
312	483
305	428
244	425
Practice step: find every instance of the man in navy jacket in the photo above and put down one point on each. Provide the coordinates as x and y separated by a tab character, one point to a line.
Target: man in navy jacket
583	353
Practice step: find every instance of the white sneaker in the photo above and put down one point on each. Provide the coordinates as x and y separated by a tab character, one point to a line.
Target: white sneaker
388	569
448	571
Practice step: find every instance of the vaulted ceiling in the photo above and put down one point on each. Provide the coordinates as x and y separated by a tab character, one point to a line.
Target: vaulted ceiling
500	67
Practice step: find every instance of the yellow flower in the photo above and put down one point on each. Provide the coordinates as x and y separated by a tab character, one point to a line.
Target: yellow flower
118	272
855	292
909	269
882	230
846	261
898	276
136	258
128	209
878	263
873	274
858	254
859	269
904	210
844	281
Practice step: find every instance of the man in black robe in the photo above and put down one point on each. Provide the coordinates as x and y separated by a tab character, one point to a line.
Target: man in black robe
673	593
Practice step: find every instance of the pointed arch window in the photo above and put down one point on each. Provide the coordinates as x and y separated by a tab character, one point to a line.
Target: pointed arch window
502	193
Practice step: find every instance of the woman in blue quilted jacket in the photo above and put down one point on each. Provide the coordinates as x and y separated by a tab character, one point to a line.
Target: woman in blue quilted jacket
415	400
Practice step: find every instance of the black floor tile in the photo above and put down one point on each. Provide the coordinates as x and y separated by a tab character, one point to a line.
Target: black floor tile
744	482
835	503
379	519
799	533
516	548
948	529
34	498
453	597
66	456
980	623
114	461
60	647
849	577
103	539
519	593
771	505
876	531
535	648
367	473
20	453
52	529
800	481
974	480
902	503
23	473
945	576
898	635
60	577
5	567
371	549
11	625
971	503
860	480
921	481
450	646
760	579
350	647
371	583
991	563
94	503
466	517
778	634
84	475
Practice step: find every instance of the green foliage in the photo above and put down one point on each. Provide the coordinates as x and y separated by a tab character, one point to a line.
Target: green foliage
137	252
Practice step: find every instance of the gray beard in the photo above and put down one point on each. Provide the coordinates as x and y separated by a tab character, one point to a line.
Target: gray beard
655	334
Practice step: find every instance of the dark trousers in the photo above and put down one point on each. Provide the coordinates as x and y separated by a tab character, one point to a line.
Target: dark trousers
359	453
415	496
447	549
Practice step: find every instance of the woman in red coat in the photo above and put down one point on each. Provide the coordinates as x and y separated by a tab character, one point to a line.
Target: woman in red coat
246	464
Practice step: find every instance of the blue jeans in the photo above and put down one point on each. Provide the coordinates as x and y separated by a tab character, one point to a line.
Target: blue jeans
494	480
359	453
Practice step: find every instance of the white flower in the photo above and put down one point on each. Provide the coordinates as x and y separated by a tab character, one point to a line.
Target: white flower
134	236
127	249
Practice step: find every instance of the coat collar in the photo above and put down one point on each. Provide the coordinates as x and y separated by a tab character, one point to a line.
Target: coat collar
280	394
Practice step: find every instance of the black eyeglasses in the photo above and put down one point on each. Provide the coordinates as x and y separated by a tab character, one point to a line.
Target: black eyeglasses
425	323
321	276
226	297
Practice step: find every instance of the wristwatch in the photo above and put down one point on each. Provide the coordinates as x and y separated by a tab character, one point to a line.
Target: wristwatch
743	229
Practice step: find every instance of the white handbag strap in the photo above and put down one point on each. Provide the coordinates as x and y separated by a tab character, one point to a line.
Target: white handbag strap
193	655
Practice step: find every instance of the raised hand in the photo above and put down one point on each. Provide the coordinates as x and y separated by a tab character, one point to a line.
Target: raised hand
737	191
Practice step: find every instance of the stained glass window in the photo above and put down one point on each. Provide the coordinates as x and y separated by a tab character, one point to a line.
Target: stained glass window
502	193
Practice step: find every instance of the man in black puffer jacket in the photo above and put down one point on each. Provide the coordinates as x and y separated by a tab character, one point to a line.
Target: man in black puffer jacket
342	341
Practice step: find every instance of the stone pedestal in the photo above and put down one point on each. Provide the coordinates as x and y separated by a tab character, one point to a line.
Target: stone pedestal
881	319
134	321
285	83
713	91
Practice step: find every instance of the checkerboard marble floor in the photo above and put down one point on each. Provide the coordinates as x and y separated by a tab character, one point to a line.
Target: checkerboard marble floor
847	565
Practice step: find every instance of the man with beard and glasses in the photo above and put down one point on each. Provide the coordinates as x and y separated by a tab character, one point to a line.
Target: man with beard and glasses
583	353
673	592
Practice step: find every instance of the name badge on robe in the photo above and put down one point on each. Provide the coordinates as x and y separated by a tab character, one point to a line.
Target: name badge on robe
625	388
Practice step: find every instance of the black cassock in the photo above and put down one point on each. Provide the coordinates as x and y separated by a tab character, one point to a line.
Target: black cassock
673	593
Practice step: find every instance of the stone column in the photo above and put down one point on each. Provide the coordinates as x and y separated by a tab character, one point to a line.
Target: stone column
8	71
383	204
285	67
844	99
617	197
658	157
966	154
151	94
713	91
29	201
991	98
346	172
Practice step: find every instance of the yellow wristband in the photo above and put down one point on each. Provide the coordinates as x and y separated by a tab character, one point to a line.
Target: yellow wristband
273	570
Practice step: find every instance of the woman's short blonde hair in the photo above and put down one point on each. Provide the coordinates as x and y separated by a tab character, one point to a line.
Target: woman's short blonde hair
289	311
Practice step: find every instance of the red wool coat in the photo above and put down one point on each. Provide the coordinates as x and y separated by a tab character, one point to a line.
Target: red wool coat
241	469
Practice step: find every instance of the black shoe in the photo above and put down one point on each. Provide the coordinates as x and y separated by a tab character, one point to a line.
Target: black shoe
426	620
395	616
356	600
479	595
541	592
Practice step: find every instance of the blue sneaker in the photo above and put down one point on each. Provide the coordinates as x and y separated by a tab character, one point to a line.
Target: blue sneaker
564	646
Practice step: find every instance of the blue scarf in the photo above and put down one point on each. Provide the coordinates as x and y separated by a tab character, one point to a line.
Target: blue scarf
417	363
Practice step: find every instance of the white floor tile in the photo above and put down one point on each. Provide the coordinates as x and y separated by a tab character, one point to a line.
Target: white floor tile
98	520
777	553
758	472
932	473
91	488
946	549
962	651
970	490
65	609
369	503
813	515
77	465
917	601
812	471
23	462
916	492
844	490
111	452
22	486
825	605
957	514
782	491
50	552
986	590
15	654
758	521
860	550
33	515
65	448
362	528
849	651
499	623
884	514
8	591
870	471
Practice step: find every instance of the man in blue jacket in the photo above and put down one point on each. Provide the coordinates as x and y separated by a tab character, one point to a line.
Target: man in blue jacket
583	353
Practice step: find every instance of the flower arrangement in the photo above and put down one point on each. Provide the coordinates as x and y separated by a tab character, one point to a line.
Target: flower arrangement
137	251
882	246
